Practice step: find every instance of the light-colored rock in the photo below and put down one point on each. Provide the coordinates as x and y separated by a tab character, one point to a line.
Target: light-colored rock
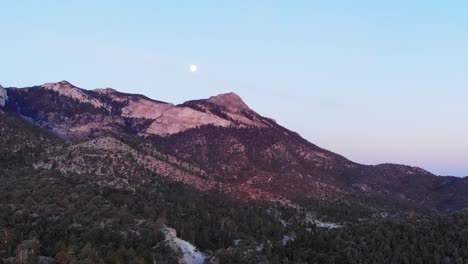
231	101
3	96
67	89
177	119
104	90
160	118
144	108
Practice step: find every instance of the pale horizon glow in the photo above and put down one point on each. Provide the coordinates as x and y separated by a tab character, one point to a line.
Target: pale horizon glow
375	81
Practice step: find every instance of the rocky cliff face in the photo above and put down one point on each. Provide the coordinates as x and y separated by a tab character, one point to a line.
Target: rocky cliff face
223	144
72	111
3	96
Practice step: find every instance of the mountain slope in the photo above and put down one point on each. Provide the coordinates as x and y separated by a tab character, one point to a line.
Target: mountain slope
237	150
111	192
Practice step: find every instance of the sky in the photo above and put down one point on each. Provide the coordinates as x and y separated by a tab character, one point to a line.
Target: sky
375	81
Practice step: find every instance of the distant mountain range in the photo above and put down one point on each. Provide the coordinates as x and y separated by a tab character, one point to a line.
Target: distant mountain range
217	144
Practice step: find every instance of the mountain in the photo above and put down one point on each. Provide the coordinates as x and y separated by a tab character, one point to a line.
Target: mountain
75	112
99	176
229	146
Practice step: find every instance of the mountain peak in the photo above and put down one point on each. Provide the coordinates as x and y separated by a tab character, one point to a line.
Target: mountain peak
64	88
58	85
65	82
230	100
105	90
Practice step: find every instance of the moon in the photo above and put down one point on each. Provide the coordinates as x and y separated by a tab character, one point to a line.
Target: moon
193	68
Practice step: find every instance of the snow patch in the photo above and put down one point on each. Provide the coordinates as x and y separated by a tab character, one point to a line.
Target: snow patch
259	248
277	216
191	255
327	225
287	238
363	187
309	218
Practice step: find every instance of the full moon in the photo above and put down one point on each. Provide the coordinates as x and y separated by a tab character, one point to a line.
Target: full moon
193	68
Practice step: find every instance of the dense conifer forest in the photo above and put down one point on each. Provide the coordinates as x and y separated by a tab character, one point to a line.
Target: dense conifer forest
74	221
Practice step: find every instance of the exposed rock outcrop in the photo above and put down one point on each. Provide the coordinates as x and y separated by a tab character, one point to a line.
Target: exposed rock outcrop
114	110
3	96
67	89
231	101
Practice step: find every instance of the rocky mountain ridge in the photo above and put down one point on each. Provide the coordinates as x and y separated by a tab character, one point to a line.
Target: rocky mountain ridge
143	115
240	152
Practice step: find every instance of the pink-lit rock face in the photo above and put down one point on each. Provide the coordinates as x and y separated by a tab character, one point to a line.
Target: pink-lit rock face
143	108
237	110
231	101
145	115
177	119
65	88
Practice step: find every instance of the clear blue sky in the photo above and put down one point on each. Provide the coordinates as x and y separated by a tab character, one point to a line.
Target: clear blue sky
376	81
